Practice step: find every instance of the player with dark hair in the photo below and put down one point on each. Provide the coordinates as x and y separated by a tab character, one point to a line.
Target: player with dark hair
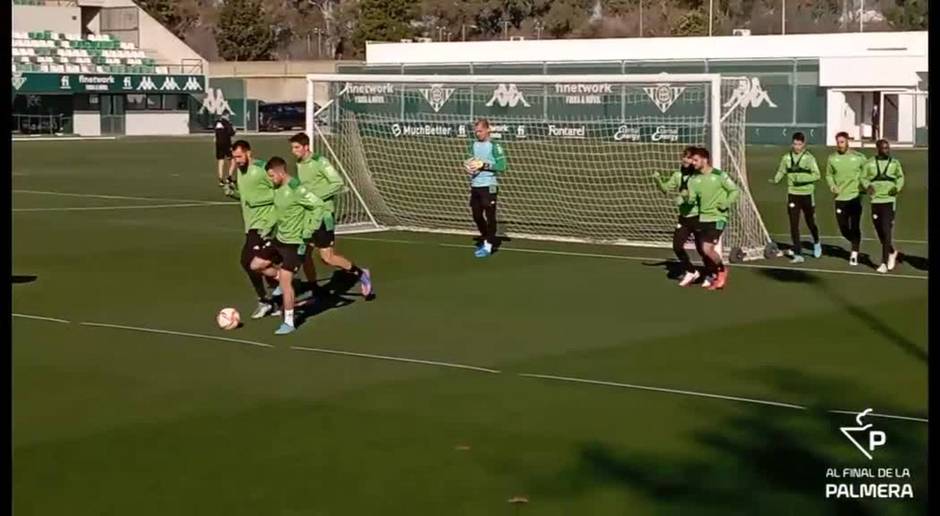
255	191
297	211
487	159
223	149
714	193
843	174
883	179
688	222
802	172
317	174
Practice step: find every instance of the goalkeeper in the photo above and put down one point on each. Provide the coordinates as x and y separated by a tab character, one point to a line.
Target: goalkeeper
486	160
687	224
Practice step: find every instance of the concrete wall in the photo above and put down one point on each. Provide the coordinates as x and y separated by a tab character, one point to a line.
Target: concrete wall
275	81
149	123
691	48
30	18
871	72
86	123
156	37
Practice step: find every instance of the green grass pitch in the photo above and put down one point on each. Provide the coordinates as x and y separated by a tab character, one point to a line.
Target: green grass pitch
715	403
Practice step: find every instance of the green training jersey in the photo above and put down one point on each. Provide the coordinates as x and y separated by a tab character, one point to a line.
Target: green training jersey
678	182
801	171
843	174
318	175
298	212
713	193
885	176
256	192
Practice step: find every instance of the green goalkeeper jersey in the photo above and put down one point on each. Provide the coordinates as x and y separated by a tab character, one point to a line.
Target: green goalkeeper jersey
714	194
298	212
801	171
256	192
317	174
885	176
678	182
843	173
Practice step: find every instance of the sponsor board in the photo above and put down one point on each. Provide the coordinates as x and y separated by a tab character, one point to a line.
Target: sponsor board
369	93
581	94
106	83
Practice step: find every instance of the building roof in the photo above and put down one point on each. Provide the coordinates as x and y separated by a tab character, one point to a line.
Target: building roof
853	44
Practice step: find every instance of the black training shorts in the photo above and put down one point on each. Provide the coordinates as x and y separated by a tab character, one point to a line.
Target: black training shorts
711	231
323	238
288	256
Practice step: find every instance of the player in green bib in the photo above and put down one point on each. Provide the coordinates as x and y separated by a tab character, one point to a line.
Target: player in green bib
687	224
297	212
883	179
843	175
255	191
802	172
317	174
714	193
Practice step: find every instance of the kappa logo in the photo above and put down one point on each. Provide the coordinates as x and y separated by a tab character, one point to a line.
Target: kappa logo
18	80
749	92
875	439
507	96
170	84
437	95
192	85
215	103
664	95
146	84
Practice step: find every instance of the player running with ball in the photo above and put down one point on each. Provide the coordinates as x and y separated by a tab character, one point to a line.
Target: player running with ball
714	193
486	160
298	211
883	179
688	222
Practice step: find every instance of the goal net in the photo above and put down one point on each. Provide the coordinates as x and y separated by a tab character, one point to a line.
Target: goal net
580	149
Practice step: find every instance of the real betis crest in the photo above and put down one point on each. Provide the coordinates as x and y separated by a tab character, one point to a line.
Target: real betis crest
437	95
664	95
18	80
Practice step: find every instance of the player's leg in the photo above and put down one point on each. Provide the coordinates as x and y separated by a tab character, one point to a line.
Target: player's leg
883	219
254	246
808	207
291	262
310	268
793	213
712	236
325	241
855	228
231	169
680	236
476	209
487	207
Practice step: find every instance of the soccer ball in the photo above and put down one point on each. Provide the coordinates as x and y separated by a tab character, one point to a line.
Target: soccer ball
473	165
228	319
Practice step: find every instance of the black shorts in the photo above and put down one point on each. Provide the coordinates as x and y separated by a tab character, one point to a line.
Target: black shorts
223	151
255	244
691	223
711	231
483	196
288	256
322	238
801	202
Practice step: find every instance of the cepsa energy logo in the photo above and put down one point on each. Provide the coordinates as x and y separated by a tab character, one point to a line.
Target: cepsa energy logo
867	482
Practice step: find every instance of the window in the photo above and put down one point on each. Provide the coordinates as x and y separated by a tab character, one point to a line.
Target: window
136	102
175	103
154	102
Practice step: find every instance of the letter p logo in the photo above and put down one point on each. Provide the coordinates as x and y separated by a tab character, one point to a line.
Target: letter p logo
876	438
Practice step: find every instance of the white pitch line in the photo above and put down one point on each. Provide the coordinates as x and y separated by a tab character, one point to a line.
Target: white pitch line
41	318
662	389
133	207
833	237
887	416
179	333
123	197
396	359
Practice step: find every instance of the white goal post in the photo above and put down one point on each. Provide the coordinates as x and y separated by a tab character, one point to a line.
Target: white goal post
581	151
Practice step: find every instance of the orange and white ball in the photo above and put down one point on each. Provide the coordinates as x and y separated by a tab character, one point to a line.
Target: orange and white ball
228	318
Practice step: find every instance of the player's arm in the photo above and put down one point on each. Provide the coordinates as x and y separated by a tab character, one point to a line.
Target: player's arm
668	184
308	199
334	180
899	183
814	170
732	190
231	190
781	171
499	160
831	175
866	175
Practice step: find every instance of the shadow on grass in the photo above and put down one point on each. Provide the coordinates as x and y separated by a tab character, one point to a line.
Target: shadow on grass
865	317
24	279
335	293
672	267
917	262
751	459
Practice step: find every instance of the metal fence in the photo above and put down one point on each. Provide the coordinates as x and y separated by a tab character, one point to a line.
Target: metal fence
41	124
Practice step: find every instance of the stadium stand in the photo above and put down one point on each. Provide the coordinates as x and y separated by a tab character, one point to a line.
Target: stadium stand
71	53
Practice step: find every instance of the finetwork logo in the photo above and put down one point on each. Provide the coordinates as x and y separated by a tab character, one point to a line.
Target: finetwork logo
215	103
874	438
664	95
507	96
749	92
437	95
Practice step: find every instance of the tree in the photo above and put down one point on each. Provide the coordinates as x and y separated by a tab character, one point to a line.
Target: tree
383	20
908	15
178	16
244	31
